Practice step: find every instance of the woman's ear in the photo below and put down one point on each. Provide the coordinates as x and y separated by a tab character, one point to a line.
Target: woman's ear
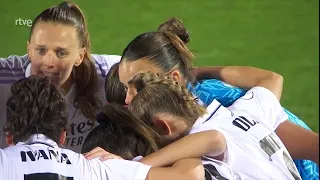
81	57
9	140
162	127
176	76
28	48
63	137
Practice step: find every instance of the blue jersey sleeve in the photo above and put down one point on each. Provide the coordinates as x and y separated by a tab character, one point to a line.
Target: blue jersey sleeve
210	89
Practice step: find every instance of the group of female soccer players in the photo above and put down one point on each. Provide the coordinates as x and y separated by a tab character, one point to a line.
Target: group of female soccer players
147	114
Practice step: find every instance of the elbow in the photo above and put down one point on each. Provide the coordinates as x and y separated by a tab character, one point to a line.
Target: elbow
190	168
278	85
217	145
277	78
273	82
196	173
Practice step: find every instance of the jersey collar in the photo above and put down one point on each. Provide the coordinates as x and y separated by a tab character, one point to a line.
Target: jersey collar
214	110
39	139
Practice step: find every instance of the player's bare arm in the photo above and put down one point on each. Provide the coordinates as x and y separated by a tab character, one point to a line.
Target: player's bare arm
243	76
210	143
186	169
206	143
301	143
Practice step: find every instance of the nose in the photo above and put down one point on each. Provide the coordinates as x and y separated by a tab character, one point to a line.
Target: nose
48	61
128	99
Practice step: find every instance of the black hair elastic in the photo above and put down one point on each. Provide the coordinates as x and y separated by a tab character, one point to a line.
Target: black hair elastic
64	4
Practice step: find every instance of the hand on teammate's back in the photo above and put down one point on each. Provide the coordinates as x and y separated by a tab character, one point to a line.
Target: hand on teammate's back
98	152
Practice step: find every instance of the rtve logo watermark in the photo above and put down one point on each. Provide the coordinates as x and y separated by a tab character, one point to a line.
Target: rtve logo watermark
23	22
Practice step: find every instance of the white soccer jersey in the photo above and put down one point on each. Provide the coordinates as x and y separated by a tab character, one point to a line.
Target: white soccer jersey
253	149
41	158
14	68
216	170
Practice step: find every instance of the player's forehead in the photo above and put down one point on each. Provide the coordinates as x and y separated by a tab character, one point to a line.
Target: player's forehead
51	35
127	70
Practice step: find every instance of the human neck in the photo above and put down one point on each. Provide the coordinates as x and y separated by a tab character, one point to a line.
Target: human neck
66	86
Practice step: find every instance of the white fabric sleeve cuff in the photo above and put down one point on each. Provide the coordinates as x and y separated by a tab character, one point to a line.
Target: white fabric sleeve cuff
142	172
138	158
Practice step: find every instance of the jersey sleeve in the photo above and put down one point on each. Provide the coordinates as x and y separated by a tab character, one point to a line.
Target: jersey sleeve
263	104
13	68
3	163
104	63
124	169
138	158
210	89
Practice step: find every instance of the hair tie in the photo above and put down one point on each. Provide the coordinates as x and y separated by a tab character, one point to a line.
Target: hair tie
64	4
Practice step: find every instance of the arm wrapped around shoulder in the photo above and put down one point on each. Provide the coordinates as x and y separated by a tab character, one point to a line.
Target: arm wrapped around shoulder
186	169
205	143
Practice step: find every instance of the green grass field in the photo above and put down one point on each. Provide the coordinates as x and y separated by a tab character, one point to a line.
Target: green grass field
282	36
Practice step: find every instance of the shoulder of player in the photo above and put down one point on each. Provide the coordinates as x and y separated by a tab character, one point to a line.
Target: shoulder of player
211	124
105	60
101	94
89	168
94	168
105	56
259	91
12	153
3	155
15	62
13	68
3	163
75	158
